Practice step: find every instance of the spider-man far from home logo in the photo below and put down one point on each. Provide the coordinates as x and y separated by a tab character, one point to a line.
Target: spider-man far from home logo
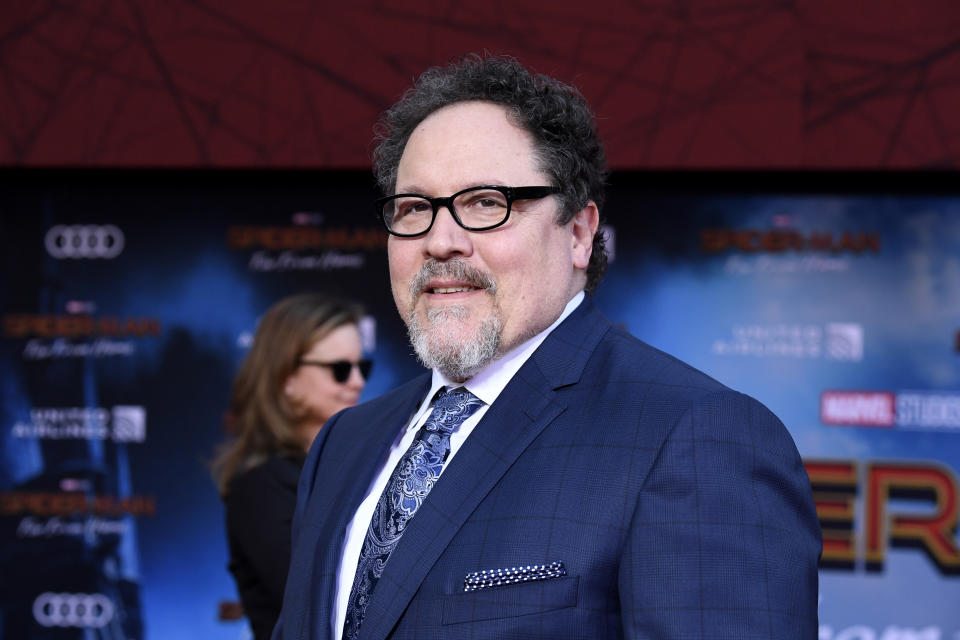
52	337
786	251
836	487
307	245
783	240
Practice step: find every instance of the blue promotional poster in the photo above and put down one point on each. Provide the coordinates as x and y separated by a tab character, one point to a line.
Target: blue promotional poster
129	300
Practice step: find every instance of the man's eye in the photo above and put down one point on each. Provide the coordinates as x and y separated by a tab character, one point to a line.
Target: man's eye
420	206
412	207
486	201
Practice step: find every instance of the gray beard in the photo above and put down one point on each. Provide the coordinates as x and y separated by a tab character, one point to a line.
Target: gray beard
437	343
438	347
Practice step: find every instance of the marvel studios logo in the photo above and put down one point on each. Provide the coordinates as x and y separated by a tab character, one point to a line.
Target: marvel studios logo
926	410
122	423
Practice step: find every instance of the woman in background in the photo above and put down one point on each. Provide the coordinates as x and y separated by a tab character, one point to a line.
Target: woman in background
304	366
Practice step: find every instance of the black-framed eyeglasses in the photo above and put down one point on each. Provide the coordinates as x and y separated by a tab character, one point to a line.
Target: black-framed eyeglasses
475	209
341	368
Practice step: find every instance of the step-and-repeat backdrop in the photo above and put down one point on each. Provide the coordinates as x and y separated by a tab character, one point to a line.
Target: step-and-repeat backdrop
129	299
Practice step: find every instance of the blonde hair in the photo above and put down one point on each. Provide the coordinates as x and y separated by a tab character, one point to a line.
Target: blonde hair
261	418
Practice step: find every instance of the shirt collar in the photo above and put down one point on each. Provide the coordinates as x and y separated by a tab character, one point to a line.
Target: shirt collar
493	378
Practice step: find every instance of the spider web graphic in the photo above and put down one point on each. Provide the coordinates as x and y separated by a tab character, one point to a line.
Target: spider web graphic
675	84
887	94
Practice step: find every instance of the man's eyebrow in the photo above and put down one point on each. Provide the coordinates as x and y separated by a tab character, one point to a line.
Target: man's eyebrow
411	189
414	188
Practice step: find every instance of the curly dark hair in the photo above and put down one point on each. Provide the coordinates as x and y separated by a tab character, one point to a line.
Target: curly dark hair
563	127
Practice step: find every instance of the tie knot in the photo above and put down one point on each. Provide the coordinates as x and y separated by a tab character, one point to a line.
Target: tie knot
453	396
451	408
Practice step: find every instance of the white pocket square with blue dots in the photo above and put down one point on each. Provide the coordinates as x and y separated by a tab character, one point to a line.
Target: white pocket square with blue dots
477	580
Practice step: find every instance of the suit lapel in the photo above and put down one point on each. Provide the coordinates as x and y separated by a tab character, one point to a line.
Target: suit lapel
351	455
525	407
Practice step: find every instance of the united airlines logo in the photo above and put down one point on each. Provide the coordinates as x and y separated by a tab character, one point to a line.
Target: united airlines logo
840	341
84	241
844	341
129	423
122	423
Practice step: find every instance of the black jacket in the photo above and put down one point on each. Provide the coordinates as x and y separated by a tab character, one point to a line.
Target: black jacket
260	506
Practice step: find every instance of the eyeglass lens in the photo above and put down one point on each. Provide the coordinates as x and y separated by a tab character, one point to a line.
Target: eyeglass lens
341	369
477	208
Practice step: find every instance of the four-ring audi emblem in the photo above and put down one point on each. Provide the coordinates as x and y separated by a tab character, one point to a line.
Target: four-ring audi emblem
85	610
84	241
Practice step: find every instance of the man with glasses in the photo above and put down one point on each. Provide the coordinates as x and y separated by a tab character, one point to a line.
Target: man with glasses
551	476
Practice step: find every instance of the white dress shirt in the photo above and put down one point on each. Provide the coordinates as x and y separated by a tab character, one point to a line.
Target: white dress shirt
486	385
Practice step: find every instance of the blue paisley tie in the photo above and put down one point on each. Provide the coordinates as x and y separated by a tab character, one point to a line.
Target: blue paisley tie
412	479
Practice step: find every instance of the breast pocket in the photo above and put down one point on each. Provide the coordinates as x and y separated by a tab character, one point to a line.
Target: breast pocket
511	600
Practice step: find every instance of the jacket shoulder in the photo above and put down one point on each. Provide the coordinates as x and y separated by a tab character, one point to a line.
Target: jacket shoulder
387	403
276	471
628	358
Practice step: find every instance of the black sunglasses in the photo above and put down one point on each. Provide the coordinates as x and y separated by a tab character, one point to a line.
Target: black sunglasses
341	368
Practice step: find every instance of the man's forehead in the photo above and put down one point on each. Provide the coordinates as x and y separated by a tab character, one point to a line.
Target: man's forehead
467	144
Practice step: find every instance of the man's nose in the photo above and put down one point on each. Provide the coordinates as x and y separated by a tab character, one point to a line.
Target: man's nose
446	238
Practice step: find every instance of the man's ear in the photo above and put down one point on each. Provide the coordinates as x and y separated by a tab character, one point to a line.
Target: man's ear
584	226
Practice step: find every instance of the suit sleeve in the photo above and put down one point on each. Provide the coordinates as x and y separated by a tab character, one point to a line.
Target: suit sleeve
724	539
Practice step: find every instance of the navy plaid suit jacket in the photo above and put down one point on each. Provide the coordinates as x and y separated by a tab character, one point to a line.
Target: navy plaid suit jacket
679	508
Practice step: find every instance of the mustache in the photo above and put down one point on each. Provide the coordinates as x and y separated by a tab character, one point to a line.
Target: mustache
453	269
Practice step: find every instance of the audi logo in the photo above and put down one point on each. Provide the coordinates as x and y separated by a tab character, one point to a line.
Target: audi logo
86	610
84	241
